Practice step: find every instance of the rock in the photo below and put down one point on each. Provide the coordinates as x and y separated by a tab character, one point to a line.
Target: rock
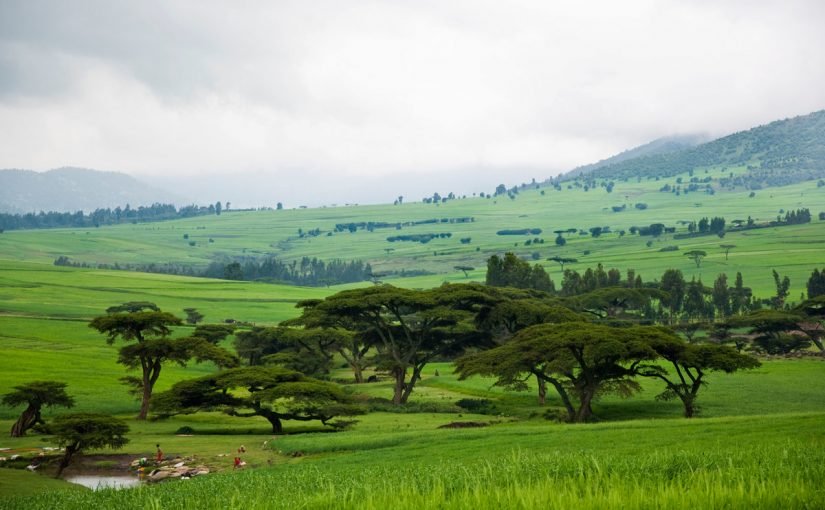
158	475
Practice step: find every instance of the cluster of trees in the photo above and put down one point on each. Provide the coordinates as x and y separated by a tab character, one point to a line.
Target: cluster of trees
99	217
816	284
73	432
420	238
372	225
307	271
519	232
797	217
311	272
715	225
511	271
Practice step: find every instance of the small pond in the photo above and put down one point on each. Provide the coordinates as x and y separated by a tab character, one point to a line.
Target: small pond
95	482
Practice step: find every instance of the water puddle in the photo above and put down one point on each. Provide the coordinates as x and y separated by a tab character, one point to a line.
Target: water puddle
104	482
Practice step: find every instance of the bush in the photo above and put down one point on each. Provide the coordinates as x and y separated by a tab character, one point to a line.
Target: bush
669	248
386	406
186	429
477	405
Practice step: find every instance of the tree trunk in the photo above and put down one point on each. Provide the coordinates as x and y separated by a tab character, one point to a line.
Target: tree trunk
67	457
27	420
277	426
408	388
565	398
359	374
398	389
542	391
690	408
144	403
585	411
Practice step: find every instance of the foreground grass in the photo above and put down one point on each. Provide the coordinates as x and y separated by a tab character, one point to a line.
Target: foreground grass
774	462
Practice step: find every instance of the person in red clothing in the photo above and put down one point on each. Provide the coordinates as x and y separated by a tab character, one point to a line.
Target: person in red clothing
237	462
159	456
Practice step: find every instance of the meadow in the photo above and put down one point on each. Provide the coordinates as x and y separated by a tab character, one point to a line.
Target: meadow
757	443
792	250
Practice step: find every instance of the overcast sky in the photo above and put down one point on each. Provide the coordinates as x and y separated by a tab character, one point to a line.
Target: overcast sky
390	92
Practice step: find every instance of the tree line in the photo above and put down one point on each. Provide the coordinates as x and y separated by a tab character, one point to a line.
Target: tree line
107	216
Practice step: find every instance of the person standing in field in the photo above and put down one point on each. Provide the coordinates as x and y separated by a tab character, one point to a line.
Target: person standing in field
159	454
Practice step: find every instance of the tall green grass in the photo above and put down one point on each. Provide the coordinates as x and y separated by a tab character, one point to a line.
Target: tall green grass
787	475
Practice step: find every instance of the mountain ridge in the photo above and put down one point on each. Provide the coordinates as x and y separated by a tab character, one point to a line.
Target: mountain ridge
69	189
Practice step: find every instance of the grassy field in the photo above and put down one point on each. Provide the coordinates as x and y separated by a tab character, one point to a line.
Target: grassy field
775	462
758	443
792	250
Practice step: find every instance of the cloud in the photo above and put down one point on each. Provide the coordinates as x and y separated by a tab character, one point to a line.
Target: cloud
382	88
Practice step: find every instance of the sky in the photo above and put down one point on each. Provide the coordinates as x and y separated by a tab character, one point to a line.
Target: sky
316	102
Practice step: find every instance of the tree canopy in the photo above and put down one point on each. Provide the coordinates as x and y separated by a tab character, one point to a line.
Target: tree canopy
409	328
689	364
35	395
274	393
580	360
150	347
83	431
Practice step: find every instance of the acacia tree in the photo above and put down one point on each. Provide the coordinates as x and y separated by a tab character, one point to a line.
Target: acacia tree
561	261
516	312
690	363
214	333
612	302
274	393
193	316
35	395
727	248
696	256
580	360
771	330
813	311
335	333
83	431
150	347
310	351
408	327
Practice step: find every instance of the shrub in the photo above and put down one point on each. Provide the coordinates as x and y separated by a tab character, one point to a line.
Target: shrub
477	405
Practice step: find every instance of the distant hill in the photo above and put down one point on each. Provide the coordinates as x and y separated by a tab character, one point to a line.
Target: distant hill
779	153
663	145
73	189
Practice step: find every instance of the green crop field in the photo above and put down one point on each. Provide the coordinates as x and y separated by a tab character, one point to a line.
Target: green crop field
792	250
757	443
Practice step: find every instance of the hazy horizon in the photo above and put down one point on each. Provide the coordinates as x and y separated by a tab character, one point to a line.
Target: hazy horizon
363	101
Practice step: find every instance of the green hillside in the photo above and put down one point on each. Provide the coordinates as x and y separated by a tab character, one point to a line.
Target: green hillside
782	152
289	235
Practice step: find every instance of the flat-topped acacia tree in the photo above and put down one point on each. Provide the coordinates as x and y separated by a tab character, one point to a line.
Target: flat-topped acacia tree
35	395
84	431
409	328
149	346
579	359
273	393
